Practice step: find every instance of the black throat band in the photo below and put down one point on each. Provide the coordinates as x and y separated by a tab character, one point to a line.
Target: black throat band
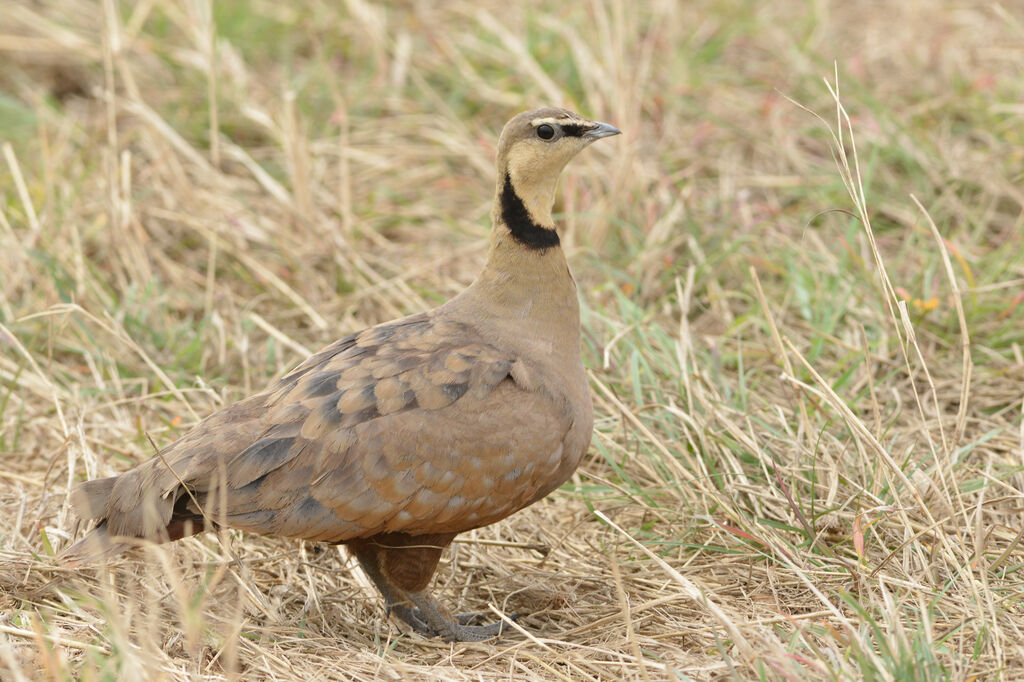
517	218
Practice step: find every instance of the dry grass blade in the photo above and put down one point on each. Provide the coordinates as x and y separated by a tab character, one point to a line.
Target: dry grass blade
690	589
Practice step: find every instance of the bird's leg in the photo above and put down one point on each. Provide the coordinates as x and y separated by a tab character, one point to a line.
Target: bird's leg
401	566
407	564
395	600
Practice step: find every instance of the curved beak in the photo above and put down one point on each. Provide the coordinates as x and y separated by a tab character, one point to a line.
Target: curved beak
601	130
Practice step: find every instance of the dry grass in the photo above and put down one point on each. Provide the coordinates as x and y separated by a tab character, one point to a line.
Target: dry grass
806	356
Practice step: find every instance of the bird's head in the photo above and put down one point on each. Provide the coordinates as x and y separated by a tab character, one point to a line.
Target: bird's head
539	143
534	148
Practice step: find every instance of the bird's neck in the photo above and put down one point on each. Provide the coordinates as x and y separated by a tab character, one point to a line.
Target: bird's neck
523	204
526	282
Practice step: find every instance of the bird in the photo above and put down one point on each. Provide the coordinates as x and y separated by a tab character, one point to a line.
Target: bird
395	439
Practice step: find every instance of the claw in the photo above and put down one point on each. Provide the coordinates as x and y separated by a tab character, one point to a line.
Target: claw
411	617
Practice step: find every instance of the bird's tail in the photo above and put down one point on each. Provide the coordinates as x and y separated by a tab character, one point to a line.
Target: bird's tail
147	518
89	501
98	545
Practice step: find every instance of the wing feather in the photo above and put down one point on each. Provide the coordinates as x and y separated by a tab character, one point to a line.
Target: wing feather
410	426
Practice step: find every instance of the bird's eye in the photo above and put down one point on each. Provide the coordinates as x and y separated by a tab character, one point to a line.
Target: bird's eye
545	132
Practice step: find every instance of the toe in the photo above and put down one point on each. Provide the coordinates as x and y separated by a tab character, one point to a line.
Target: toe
475	633
412	618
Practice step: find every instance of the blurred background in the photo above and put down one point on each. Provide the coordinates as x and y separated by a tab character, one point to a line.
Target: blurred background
802	274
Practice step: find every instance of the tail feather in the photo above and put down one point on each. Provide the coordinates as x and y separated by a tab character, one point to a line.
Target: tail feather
89	500
96	546
152	519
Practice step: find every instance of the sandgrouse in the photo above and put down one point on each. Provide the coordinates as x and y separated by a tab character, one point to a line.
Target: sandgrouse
394	440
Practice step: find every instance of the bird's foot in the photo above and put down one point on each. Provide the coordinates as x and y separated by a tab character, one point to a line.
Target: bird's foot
430	619
475	618
411	617
456	632
467	627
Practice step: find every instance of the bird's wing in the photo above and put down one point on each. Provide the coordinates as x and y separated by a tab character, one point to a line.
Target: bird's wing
413	426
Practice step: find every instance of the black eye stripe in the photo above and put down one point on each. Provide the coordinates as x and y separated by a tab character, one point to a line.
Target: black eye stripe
568	129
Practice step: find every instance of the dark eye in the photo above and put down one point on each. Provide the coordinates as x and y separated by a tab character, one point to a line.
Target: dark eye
545	132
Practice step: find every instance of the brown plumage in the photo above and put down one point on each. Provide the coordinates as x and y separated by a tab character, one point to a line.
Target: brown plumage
394	440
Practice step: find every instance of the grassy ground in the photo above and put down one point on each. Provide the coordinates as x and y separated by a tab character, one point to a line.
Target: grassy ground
801	270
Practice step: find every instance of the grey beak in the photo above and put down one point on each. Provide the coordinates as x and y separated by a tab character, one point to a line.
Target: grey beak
602	130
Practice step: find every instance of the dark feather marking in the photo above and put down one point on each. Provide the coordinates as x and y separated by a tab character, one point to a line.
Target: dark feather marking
574	129
361	416
270	451
318	359
288	420
410	400
251	487
284	388
455	391
379	335
517	218
362	352
347	348
328	409
309	508
262	456
322	384
368	393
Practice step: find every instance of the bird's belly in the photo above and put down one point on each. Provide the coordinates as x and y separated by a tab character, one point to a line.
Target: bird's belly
478	461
